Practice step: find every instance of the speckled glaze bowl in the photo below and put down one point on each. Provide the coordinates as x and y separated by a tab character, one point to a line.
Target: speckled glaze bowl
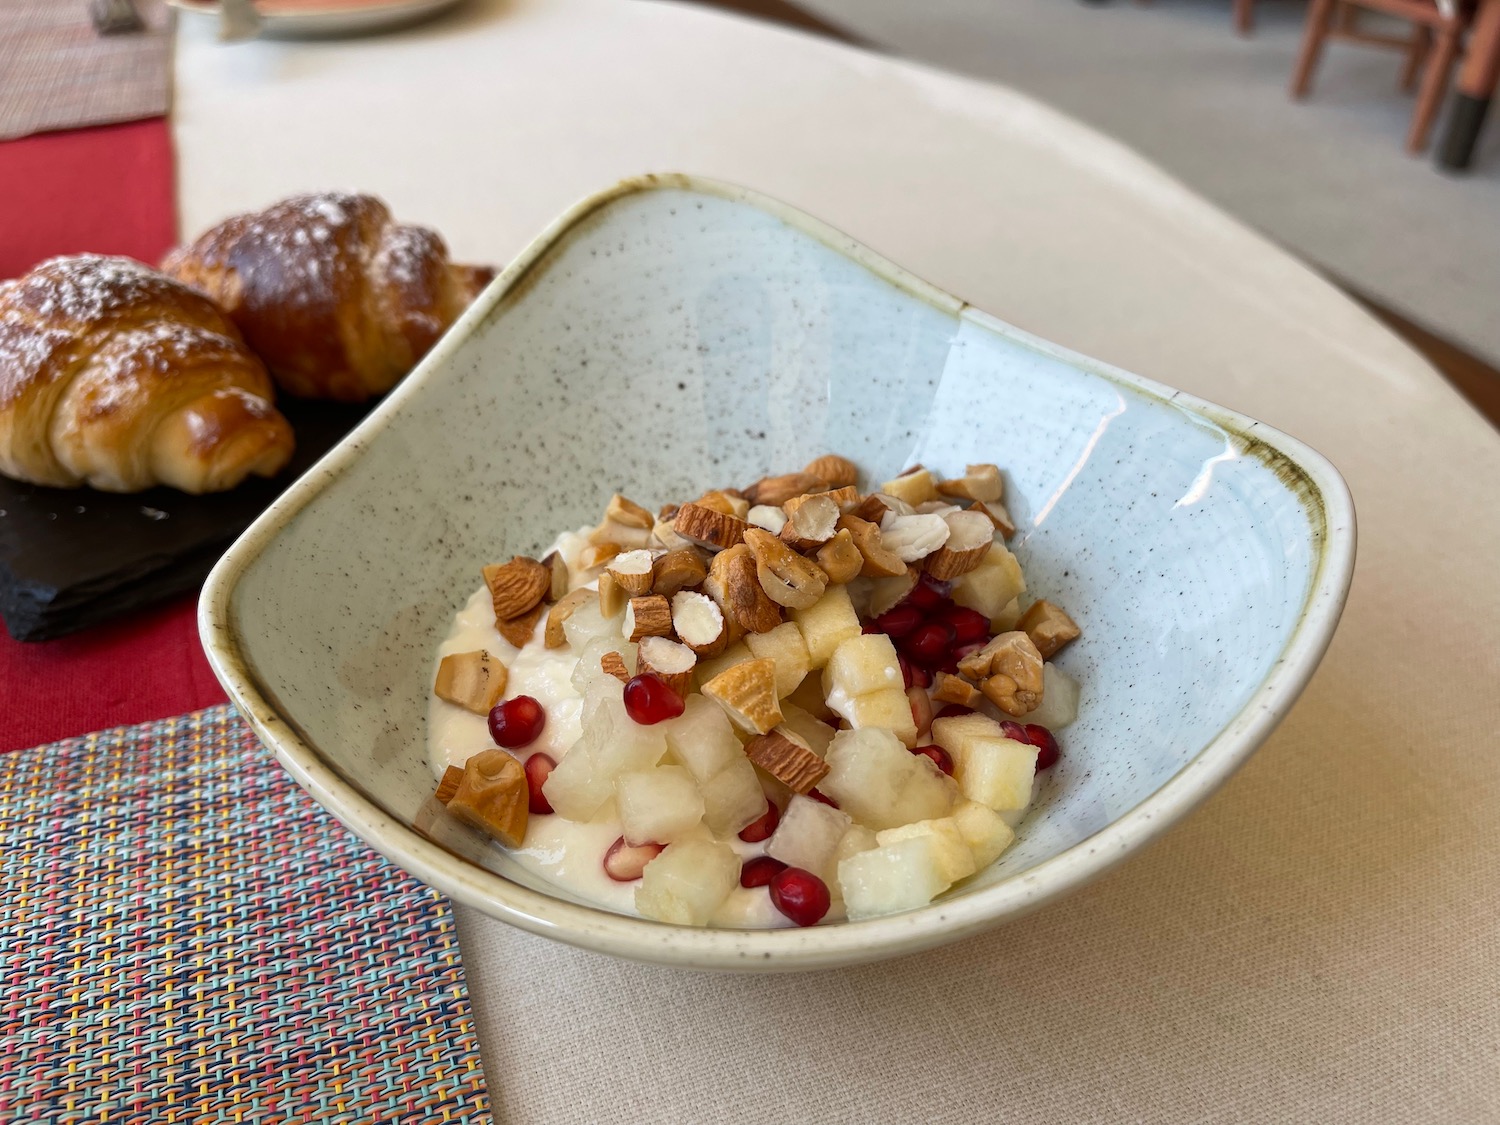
672	332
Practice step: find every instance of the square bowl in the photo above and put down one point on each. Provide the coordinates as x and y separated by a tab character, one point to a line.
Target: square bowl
673	331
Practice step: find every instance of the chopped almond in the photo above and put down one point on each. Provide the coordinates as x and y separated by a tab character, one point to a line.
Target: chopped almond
954	689
664	534
708	528
493	797
778	490
846	498
677	570
997	514
766	516
632	571
612	596
448	784
668	661
871	509
811	521
979	482
1048	627
474	681
613	664
628	513
788	758
597	555
969	537
747	692
518	630
562	581
649	616
553	636
725	500
879	562
734	584
787	578
840	558
516	586
698	622
622	535
837	471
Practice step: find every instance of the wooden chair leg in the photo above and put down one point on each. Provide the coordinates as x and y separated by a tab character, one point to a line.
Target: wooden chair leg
1244	16
1319	18
1434	88
1416	55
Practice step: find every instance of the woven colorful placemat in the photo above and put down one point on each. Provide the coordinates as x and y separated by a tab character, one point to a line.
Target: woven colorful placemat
187	937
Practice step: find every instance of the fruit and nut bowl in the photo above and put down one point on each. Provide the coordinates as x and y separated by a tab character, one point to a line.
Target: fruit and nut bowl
793	702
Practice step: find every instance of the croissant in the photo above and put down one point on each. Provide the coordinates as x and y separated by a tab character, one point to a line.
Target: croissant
338	299
115	376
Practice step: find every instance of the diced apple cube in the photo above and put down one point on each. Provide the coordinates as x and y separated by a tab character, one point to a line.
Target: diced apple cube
733	797
983	830
884	880
816	733
951	852
991	586
861	665
702	737
688	882
997	773
808	836
657	805
1059	705
784	645
884	710
826	624
877	781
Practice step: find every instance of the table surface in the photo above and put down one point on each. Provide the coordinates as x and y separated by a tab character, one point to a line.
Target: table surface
1315	942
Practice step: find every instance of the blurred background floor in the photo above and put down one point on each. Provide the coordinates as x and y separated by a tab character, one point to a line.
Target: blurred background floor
1327	178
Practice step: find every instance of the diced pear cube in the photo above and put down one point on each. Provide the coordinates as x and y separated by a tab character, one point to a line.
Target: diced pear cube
884	880
881	784
826	624
809	697
1059	705
991	586
951	852
587	622
889	709
618	743
856	838
816	733
688	882
861	665
997	773
572	789
733	797
590	668
808	836
983	830
702	737
957	731
657	806
706	670
784	645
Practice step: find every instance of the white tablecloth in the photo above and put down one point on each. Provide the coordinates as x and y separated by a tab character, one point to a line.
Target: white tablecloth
1321	941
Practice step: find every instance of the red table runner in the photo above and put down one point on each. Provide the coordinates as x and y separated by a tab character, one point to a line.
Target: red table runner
109	190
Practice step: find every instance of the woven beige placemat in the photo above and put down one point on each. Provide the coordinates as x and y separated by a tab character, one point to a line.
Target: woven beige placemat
57	73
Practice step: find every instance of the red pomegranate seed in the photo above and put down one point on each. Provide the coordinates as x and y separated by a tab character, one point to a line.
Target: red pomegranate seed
800	895
819	795
517	722
869	628
965	650
929	644
625	863
1014	731
1046	744
649	700
921	677
761	829
898	622
940	757
926	595
759	871
539	768
952	709
968	625
905	670
921	708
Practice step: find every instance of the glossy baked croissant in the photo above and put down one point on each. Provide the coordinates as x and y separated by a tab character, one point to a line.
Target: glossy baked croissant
116	376
336	297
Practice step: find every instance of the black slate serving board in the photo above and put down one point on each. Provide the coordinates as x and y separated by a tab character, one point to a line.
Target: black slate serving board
72	558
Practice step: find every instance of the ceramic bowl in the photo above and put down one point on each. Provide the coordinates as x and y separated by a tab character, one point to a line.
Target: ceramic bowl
671	332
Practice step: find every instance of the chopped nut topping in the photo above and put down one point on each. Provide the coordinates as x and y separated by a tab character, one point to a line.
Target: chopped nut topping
764	515
518	630
493	797
668	661
997	514
448	784
837	471
613	664
597	555
969	537
788	758
846	497
979	482
622	535
787	578
677	570
913	486
612	596
632	570
698	622
810	521
473	680
778	490
629	513
1048	627
747	692
733	583
665	533
954	689
871	509
725	502
1015	674
840	558
516	586
912	538
879	562
553	636
708	528
562	581
649	616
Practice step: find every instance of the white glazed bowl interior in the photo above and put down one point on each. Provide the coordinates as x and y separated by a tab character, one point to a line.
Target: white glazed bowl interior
673	333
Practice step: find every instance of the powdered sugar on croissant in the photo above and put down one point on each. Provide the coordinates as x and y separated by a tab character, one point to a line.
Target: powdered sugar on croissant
337	298
116	376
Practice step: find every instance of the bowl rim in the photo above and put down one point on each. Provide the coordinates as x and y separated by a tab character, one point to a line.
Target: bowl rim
1319	489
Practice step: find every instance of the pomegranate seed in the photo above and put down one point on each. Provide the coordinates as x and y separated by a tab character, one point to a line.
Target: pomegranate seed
624	863
761	829
1046	744
940	757
649	700
952	709
759	871
929	644
905	670
922	678
921	709
517	722
1014	731
898	622
966	650
925	596
800	895
819	795
539	768
968	625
